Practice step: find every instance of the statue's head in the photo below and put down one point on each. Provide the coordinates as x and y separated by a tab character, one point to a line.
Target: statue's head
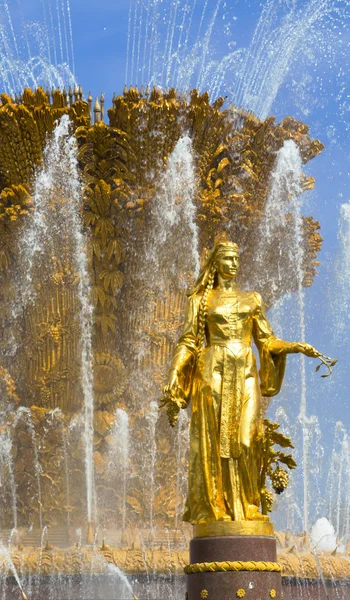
222	259
226	259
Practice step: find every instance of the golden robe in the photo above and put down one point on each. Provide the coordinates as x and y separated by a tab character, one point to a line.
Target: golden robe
226	424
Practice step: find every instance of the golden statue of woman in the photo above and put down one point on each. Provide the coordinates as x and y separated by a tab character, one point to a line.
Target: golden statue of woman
214	366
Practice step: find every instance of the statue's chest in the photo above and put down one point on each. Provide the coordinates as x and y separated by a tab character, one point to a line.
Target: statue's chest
230	309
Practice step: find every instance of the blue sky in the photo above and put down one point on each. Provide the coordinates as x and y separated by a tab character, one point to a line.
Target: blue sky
312	85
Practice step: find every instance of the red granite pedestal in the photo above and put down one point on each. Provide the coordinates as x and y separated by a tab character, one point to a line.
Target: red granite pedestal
233	560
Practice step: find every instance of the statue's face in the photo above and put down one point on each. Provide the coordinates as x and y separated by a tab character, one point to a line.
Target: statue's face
227	264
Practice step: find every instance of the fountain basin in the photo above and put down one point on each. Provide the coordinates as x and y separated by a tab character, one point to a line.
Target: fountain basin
90	572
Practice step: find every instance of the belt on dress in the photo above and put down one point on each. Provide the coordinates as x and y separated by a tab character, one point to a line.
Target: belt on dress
226	343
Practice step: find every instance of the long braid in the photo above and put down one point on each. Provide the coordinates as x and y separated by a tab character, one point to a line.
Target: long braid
203	307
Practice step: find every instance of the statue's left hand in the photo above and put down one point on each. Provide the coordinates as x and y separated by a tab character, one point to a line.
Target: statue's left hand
173	403
173	406
307	349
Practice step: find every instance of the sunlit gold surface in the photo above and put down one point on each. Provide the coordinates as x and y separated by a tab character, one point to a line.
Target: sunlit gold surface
117	163
238	565
302	564
221	381
233	528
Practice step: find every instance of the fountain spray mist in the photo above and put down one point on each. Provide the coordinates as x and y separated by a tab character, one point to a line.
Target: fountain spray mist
174	208
341	286
24	413
56	218
285	199
29	49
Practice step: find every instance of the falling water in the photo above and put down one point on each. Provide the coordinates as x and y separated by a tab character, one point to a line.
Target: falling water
253	75
43	538
70	36
114	570
284	198
52	34
343	464
137	4
340	298
152	418
205	47
123	435
128	44
174	208
25	414
25	54
12	567
66	471
119	453
6	463
338	484
59	30
171	42
52	223
64	18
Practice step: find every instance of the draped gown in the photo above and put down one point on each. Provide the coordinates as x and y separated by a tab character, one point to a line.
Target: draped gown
223	384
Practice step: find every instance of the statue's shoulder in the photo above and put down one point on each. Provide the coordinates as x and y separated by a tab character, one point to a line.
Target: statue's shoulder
195	299
254	297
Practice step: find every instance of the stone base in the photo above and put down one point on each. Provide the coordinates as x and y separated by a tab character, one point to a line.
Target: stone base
254	557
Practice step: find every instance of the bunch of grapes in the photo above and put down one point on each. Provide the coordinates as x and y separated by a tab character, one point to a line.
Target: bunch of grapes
269	500
279	480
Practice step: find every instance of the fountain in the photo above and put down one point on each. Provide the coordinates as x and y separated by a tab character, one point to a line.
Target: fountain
104	224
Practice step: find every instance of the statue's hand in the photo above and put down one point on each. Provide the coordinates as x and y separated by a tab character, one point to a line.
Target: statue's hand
171	389
173	406
172	385
172	398
307	349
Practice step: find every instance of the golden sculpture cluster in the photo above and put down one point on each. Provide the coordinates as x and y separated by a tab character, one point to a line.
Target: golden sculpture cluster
296	561
235	154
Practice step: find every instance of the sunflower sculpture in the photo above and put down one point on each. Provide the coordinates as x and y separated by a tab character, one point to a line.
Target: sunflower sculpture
109	379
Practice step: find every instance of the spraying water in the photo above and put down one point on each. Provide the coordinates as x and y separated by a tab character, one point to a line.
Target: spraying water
12	568
25	54
341	290
119	453
253	75
284	202
56	218
338	484
152	418
175	208
25	414
7	471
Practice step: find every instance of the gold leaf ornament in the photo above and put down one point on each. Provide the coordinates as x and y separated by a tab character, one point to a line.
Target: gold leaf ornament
240	593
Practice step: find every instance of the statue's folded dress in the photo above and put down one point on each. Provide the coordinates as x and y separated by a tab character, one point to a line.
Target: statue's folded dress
222	382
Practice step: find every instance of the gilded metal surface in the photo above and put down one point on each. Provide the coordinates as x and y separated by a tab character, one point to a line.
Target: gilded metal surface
235	155
233	528
238	565
221	380
82	560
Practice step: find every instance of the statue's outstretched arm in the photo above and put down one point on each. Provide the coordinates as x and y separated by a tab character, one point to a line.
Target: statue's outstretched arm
277	346
265	339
